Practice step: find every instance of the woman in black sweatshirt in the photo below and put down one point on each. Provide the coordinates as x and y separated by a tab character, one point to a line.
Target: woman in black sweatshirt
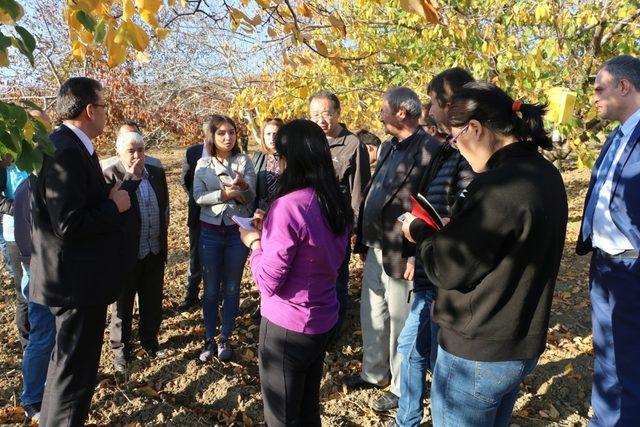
495	263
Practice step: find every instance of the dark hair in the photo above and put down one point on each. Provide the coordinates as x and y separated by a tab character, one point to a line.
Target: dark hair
214	123
206	123
326	95
304	145
624	67
368	138
447	82
131	123
425	118
74	96
493	108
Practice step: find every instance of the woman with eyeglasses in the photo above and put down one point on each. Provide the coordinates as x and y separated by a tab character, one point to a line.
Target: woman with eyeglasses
266	165
223	186
495	263
295	263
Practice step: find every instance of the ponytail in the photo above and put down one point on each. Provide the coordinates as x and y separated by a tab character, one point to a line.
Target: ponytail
497	111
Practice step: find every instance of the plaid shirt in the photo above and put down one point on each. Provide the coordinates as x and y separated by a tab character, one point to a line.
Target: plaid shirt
149	218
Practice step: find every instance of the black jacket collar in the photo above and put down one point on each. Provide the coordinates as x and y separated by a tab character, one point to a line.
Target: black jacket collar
516	149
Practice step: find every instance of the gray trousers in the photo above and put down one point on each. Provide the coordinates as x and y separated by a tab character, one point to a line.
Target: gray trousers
383	310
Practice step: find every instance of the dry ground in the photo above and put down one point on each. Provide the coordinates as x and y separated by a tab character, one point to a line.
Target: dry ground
180	390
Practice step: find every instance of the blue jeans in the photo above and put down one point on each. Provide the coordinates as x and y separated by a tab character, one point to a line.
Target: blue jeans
222	256
475	394
38	350
418	346
615	304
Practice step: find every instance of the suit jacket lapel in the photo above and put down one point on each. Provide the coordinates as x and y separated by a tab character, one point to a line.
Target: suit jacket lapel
628	149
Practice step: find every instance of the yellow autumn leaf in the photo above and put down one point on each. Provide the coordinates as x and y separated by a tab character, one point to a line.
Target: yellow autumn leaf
86	5
128	10
425	8
78	49
321	48
149	18
143	57
4	58
116	55
136	36
263	3
162	33
304	10
271	32
27	131
152	6
338	24
7	19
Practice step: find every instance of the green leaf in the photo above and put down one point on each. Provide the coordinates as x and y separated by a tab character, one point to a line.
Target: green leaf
20	45
100	31
9	144
86	20
5	41
27	38
12	8
30	158
15	117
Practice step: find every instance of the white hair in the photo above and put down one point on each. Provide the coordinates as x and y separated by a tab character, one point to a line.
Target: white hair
126	138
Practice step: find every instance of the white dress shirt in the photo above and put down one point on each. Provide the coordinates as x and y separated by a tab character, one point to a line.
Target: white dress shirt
83	137
605	234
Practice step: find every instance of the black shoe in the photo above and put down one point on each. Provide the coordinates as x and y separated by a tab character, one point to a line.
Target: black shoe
355	382
120	364
32	412
386	402
188	304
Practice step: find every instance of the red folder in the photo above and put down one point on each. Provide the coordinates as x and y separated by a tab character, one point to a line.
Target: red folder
421	208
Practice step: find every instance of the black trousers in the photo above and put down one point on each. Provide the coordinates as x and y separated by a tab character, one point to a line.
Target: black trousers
195	269
22	305
72	371
146	280
290	366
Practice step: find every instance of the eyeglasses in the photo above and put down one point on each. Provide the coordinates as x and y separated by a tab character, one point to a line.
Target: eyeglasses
325	115
454	138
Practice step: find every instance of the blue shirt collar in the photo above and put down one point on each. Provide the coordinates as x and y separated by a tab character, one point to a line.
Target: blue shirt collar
630	124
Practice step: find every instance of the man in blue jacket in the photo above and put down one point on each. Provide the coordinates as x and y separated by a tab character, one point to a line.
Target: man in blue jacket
611	229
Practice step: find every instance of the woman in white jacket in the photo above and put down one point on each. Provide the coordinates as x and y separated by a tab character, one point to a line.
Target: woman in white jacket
223	186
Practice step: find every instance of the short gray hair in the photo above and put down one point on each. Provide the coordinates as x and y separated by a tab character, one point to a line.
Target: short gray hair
624	67
126	138
403	97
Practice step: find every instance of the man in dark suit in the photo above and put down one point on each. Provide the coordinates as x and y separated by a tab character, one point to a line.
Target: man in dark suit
192	155
387	275
76	265
611	229
147	223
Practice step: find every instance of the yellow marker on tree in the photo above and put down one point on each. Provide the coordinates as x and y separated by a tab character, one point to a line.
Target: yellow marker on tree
561	103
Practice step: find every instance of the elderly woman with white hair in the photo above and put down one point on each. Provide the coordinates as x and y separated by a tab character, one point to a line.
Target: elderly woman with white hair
145	248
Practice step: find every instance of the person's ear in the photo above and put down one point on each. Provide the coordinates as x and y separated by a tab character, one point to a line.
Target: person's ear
401	114
625	86
476	128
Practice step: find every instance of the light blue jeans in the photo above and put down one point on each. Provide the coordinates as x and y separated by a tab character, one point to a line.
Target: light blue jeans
417	345
475	394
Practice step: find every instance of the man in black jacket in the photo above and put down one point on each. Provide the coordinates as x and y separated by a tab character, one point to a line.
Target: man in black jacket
351	163
147	222
192	155
448	175
76	265
387	276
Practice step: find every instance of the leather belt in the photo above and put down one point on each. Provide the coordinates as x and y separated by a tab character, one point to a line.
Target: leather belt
628	254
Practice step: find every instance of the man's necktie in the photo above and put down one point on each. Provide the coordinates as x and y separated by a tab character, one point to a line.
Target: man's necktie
601	177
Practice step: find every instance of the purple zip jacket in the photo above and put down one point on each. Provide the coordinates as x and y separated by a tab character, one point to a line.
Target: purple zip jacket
297	266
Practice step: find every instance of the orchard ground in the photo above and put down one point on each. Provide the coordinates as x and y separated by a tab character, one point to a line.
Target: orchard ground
180	390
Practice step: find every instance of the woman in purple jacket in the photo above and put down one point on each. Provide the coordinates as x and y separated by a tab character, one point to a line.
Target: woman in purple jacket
295	264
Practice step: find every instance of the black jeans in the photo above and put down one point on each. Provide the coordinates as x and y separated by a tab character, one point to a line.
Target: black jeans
195	269
22	305
71	376
146	280
290	372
